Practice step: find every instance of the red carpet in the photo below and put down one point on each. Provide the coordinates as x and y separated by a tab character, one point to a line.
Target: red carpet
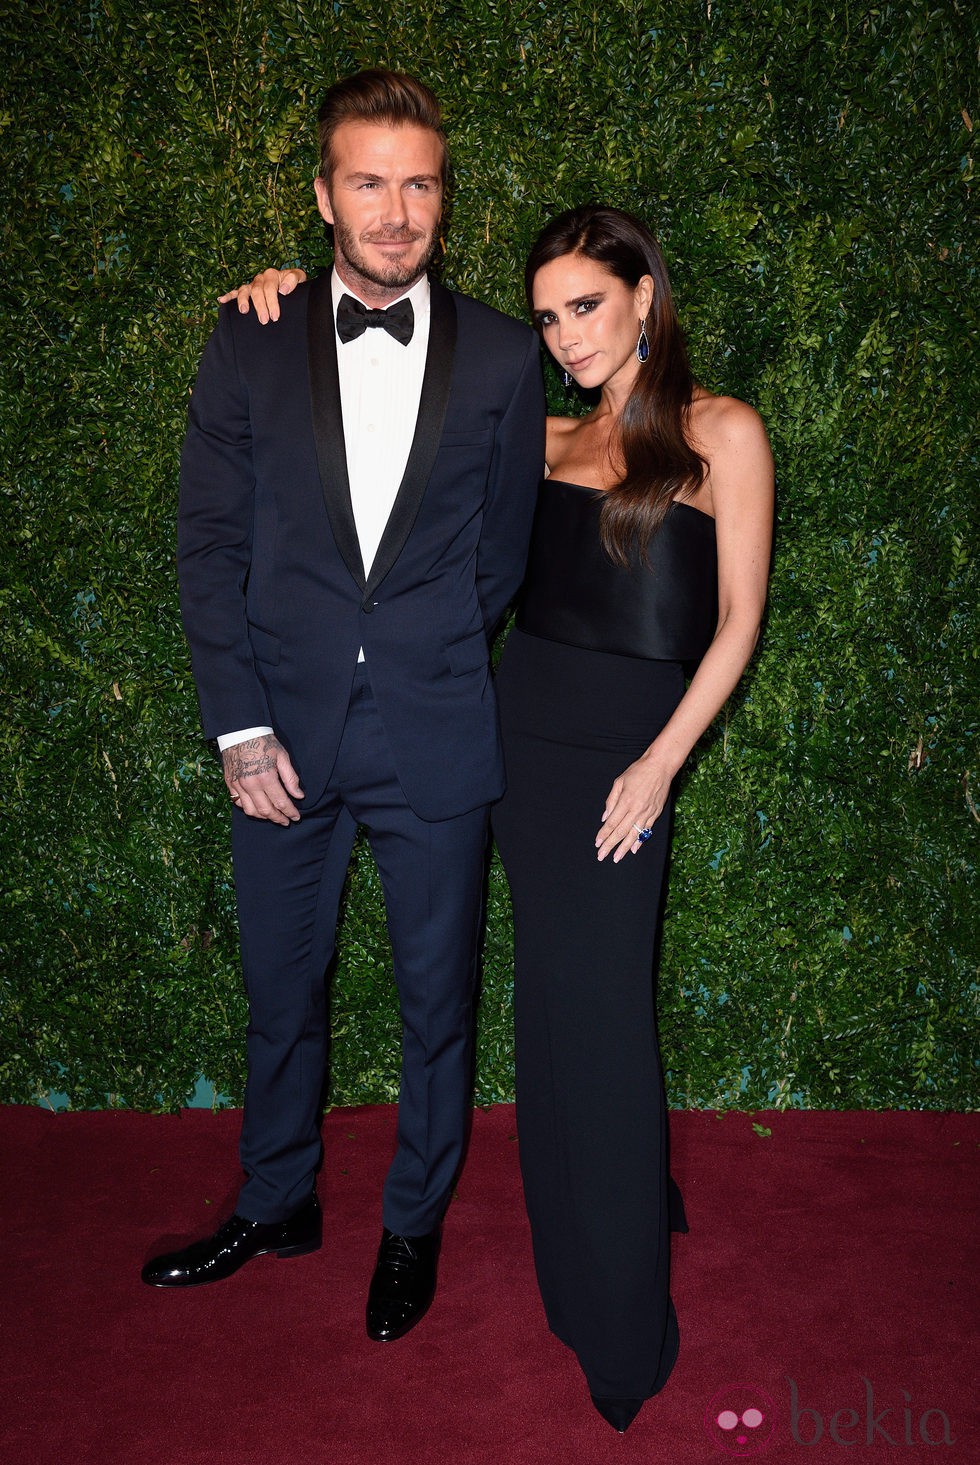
834	1252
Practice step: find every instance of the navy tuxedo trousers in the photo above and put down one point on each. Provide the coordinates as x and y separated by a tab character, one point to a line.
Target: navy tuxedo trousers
288	884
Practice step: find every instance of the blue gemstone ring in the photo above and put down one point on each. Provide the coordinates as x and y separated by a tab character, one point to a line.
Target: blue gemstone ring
642	834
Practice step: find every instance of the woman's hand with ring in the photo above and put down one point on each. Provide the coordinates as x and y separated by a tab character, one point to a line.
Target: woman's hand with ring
635	803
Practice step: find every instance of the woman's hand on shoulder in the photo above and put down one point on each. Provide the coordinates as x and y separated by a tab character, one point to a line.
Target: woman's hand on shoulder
263	292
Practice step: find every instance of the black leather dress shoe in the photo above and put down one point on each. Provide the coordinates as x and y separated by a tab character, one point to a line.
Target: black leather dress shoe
403	1285
234	1244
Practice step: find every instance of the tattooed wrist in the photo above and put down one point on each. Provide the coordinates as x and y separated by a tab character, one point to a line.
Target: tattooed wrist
253	756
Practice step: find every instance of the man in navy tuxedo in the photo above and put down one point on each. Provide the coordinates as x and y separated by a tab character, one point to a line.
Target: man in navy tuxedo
357	489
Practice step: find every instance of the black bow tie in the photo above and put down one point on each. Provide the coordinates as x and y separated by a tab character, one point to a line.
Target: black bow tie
353	319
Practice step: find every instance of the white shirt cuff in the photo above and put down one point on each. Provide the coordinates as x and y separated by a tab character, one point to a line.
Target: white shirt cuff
228	740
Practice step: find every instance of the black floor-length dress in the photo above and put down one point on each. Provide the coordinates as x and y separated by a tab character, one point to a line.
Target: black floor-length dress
591	674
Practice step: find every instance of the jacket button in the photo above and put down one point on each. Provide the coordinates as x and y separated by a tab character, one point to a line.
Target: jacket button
368	606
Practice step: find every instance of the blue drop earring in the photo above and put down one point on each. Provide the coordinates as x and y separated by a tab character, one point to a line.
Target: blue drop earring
642	345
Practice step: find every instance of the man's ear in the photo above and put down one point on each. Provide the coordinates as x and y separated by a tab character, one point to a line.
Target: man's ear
323	199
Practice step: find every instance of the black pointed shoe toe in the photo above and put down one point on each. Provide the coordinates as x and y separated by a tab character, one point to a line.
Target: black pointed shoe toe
620	1413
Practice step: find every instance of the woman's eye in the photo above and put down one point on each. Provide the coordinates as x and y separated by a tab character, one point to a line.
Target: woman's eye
584	307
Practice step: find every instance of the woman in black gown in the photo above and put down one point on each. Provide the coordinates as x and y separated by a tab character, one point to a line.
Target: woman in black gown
650	552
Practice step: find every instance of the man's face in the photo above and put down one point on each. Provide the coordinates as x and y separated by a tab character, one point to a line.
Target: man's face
384	200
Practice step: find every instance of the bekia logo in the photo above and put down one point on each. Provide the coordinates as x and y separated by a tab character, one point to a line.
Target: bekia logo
740	1419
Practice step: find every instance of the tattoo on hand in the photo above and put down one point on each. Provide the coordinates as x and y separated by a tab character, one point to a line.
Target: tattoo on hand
254	755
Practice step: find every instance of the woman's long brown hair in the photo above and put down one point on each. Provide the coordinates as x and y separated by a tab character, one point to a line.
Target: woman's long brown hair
659	463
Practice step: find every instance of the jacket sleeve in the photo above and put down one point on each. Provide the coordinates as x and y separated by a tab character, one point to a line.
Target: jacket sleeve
214	539
516	468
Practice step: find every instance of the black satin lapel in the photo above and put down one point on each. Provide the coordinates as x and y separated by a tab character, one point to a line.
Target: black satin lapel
328	424
428	432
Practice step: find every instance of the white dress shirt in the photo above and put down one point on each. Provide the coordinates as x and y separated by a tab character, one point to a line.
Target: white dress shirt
380	387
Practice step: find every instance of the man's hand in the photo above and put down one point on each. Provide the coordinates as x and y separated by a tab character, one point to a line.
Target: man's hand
264	292
261	779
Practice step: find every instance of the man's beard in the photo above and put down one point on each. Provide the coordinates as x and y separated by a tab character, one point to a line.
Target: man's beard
393	275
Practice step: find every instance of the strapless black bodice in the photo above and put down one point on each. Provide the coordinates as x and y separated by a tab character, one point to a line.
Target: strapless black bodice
663	609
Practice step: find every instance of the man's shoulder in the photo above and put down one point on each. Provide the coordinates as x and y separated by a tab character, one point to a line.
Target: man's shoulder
248	328
503	328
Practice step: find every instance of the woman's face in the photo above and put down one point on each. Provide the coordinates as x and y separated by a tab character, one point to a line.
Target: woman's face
590	319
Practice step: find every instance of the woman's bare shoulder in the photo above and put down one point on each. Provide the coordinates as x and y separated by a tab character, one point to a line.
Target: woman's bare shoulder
557	433
562	425
725	422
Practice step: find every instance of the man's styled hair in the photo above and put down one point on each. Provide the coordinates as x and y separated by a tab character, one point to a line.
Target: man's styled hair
386	97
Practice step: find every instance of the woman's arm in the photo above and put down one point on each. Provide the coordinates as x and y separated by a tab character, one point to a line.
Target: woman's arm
732	439
264	292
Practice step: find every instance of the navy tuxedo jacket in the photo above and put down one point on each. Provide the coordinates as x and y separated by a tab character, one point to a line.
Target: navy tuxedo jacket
274	597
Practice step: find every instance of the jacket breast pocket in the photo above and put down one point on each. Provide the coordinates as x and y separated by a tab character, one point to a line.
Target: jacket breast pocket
265	646
468	654
477	437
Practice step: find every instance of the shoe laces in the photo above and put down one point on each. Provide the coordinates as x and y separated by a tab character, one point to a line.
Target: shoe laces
399	1252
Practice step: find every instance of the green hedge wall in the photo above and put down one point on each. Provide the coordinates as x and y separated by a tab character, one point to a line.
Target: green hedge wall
809	169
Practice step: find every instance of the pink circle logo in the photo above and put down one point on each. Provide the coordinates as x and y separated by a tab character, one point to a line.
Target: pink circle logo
740	1419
